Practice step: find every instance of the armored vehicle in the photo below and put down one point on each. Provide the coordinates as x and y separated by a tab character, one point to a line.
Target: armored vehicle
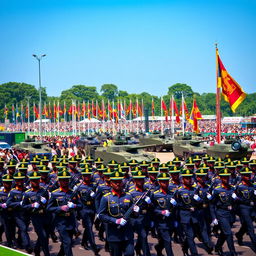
34	148
185	146
122	153
157	142
232	149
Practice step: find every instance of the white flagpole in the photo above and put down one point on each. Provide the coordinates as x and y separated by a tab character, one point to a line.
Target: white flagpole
183	114
172	117
162	123
137	115
58	116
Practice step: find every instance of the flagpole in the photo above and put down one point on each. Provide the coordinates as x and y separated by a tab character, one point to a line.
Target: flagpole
172	117
162	124
130	115
137	117
34	106
89	118
113	119
183	114
103	115
218	113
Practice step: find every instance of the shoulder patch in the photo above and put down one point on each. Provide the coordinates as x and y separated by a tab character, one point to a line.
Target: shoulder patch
56	190
28	190
107	194
156	191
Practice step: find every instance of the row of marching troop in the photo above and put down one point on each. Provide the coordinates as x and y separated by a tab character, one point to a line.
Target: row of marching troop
176	201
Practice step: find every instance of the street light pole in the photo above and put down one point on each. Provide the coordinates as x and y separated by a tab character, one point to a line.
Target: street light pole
40	91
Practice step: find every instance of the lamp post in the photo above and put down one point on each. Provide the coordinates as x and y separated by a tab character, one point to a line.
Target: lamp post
40	91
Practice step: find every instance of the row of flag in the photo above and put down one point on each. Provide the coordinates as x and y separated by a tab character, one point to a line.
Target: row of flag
111	111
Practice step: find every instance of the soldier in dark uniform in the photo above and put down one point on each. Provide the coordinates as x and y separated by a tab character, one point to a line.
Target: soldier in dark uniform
113	206
187	201
204	222
141	223
222	212
14	202
63	203
34	202
87	213
5	215
2	170
252	166
163	210
246	200
74	172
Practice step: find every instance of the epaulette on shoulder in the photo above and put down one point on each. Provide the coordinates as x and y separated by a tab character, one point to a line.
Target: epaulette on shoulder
156	191
13	189
107	194
128	193
180	187
28	190
194	185
56	190
131	190
217	187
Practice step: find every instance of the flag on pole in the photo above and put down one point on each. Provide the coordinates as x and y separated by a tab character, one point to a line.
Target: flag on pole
231	90
13	113
176	111
164	108
194	116
185	109
153	109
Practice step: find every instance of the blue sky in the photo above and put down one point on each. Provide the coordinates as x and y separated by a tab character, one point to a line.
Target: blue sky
142	45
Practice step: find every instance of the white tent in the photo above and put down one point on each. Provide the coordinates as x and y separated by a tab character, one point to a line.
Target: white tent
43	121
92	120
232	120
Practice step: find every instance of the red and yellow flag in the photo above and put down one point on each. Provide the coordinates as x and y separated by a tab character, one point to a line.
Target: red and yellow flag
194	116
231	90
164	108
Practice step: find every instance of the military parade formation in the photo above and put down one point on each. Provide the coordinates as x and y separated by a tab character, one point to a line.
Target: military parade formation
126	203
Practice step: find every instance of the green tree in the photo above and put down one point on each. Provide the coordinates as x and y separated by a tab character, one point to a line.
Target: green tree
109	91
176	90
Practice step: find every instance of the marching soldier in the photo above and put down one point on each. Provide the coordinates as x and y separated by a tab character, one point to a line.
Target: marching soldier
188	199
246	200
141	223
63	202
34	202
113	207
222	212
5	215
14	202
87	212
163	210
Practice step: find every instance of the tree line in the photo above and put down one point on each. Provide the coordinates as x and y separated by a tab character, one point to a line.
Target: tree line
18	94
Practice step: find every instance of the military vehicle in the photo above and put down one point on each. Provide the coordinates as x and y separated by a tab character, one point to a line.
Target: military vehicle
88	143
157	142
34	148
232	149
122	153
121	139
185	146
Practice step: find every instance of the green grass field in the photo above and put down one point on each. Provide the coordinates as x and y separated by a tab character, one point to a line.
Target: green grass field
6	252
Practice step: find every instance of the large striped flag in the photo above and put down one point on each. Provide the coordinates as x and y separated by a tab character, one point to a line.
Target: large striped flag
164	108
231	90
194	116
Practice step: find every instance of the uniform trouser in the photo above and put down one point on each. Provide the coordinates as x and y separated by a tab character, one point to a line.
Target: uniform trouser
189	234
247	225
142	241
41	228
225	224
120	248
22	223
164	236
66	242
88	235
9	228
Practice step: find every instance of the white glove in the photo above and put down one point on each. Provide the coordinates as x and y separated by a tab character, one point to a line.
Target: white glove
173	202
147	200
196	197
121	221
92	194
21	203
75	187
209	196
35	205
215	222
254	192
136	208
3	205
166	213
71	205
43	200
234	196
